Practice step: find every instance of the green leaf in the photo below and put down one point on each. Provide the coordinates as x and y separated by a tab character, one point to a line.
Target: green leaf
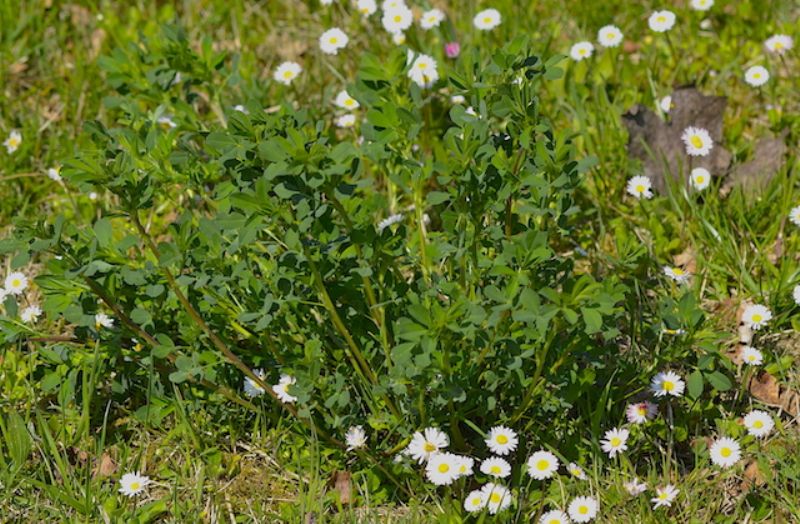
694	384
719	381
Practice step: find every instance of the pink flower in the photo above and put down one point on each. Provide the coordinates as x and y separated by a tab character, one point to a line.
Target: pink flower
452	49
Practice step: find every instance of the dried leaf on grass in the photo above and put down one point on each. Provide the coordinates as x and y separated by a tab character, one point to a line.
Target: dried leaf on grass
657	142
754	175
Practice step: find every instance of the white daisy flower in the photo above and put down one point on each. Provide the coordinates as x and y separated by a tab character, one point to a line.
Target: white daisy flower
756	76
240	108
442	469
576	471
583	509
399	38
640	187
702	5
667	383
555	516
475	501
423	71
501	440
332	40
286	72
752	356
345	101
465	465
677	274
581	50
101	320
30	314
609	36
457	99
779	44
542	465
386	5
389	221
348	120
666	104
16	283
756	316
366	7
641	412
131	484
725	452
251	387
397	19
166	122
426	443
796	294
758	423
487	19
355	438
634	487
281	389
431	19
615	441
661	21
794	215
54	173
496	467
13	141
497	497
700	178
665	496
698	141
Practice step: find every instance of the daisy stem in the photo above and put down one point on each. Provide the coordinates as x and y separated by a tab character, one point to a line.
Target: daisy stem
671	425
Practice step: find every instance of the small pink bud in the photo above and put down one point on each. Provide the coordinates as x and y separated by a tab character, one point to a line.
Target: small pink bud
452	49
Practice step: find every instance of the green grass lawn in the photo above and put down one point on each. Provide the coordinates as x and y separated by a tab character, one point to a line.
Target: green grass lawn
461	255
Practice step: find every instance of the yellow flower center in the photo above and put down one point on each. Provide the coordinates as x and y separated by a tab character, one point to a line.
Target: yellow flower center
640	188
583	510
581	51
333	40
429	448
757	318
13	141
554	521
678	271
287	74
751	358
495	470
725	452
422	65
135	486
487	20
669	385
758	424
398	19
616	441
444	468
542	465
349	102
699	179
779	45
495	498
663	496
16	282
476	501
661	19
502	439
696	141
756	75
